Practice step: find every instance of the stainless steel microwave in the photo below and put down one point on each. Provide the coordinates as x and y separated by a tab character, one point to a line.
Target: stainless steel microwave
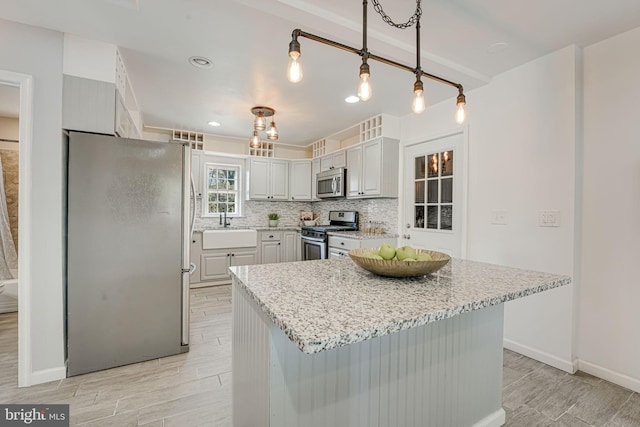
331	183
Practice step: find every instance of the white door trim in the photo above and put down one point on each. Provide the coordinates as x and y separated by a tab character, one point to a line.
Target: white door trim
464	130
25	83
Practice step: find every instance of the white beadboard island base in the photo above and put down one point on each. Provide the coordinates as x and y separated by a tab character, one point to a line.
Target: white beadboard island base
326	343
447	373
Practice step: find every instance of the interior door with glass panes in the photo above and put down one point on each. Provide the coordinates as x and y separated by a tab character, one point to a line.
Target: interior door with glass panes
434	203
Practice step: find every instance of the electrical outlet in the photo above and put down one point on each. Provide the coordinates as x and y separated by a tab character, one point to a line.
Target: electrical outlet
549	218
499	217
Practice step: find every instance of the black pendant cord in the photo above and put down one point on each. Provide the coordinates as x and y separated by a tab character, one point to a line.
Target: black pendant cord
418	68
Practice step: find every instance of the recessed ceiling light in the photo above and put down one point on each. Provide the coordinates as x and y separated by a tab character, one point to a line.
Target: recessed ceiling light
497	47
352	99
215	124
200	62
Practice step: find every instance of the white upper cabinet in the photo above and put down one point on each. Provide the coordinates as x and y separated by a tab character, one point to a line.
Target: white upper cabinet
315	169
333	161
268	179
372	169
300	180
354	171
97	95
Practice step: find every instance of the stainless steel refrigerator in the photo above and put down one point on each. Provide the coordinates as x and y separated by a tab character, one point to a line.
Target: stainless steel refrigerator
127	291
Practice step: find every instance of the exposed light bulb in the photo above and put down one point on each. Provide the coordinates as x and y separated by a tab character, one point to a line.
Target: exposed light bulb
418	104
272	133
294	70
364	88
460	114
254	141
260	123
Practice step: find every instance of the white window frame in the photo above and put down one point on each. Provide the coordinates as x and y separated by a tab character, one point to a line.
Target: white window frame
238	191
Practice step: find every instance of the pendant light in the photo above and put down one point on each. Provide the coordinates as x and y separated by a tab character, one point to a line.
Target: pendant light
272	132
294	70
418	105
254	141
260	123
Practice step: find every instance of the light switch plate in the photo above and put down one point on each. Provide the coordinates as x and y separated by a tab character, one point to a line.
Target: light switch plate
499	217
549	219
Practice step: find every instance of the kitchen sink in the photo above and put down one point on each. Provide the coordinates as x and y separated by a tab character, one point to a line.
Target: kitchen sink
220	239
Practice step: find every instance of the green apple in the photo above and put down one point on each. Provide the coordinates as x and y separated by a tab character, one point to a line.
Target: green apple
387	251
424	257
372	255
409	259
395	258
406	252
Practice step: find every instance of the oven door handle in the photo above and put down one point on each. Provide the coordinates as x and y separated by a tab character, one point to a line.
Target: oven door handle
313	239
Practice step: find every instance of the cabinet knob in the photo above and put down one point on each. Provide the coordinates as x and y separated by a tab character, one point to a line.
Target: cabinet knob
293	198
278	243
342	243
228	254
233	254
271	236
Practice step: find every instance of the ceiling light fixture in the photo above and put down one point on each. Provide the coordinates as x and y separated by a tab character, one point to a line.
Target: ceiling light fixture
294	71
260	123
351	99
214	124
200	62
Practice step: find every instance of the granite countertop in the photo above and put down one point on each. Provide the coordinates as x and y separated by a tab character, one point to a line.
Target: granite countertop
361	235
257	228
326	304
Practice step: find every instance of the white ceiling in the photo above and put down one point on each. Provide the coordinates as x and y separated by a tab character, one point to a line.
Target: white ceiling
248	39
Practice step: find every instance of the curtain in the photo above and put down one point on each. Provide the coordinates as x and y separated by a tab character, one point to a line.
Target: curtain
8	255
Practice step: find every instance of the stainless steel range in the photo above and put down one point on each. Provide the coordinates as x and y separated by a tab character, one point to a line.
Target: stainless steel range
315	240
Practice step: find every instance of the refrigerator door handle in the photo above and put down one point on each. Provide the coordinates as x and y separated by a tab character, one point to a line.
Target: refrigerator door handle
184	341
186	242
193	207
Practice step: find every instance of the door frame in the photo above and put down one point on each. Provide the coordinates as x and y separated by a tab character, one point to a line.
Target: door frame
24	82
464	131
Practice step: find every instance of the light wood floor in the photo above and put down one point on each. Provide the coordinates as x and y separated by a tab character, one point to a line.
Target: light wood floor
194	389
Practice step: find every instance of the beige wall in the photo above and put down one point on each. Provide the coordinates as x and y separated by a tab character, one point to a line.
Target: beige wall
9	160
231	145
9	127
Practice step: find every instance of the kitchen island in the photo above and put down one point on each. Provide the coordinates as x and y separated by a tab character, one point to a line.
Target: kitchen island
326	343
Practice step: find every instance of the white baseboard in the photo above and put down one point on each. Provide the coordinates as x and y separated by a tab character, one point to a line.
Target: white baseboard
609	375
47	375
541	356
496	419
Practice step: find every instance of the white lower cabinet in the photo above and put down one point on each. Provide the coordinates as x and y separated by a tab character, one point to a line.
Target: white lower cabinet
212	265
291	246
339	246
280	246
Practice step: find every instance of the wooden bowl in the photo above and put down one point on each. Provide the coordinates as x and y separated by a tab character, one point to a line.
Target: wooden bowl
392	268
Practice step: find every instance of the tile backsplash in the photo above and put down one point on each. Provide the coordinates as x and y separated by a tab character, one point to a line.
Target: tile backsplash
381	210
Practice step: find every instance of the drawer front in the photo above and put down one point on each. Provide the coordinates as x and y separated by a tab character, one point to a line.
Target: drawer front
338	253
271	236
343	243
